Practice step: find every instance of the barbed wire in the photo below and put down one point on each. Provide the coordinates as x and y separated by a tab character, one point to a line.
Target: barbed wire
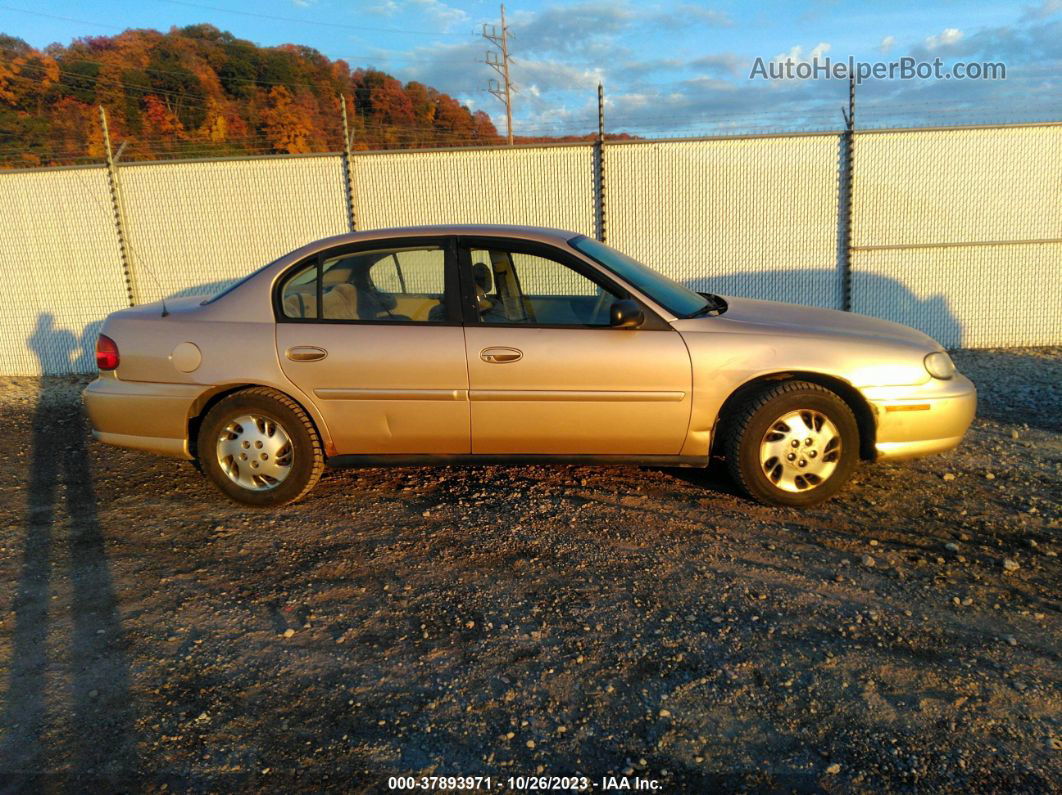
20	158
391	136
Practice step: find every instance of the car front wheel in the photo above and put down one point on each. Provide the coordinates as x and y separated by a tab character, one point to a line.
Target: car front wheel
260	448
795	444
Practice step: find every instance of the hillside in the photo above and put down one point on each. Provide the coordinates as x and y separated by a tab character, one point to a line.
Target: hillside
200	92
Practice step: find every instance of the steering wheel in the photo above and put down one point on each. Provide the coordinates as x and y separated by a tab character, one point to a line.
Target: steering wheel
602	305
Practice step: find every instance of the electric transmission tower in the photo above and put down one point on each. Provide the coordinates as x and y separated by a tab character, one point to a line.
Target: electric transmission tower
503	89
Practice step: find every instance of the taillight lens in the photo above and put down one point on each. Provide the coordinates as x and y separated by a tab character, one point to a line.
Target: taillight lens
106	353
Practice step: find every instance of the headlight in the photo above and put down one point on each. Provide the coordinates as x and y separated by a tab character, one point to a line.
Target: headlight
940	365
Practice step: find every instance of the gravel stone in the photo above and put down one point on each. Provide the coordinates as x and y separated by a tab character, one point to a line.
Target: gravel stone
461	630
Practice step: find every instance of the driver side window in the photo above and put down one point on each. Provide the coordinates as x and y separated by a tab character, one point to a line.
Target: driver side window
514	287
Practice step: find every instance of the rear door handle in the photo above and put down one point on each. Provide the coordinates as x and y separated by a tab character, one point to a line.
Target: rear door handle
306	353
501	355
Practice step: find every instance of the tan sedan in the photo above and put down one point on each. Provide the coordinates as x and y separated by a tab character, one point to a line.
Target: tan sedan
473	344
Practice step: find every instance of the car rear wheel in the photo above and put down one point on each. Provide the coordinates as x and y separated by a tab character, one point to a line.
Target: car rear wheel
260	448
795	443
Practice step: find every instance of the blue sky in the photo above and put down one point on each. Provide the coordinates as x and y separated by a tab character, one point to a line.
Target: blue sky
669	68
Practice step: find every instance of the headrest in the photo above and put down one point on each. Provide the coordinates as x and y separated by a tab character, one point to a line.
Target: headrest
385	300
482	277
335	275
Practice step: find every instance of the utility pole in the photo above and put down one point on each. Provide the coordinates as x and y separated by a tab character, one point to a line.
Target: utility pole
503	90
118	207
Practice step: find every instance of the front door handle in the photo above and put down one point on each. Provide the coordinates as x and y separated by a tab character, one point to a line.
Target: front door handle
306	353
501	355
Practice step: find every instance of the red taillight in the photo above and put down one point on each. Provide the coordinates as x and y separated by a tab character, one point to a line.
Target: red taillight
106	353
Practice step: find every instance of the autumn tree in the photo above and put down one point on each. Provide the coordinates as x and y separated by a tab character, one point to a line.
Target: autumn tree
159	120
284	126
200	89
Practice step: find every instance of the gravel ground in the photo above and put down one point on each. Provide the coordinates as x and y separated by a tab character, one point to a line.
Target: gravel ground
509	621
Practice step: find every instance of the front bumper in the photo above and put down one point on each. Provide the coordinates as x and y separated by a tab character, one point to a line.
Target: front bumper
913	421
143	416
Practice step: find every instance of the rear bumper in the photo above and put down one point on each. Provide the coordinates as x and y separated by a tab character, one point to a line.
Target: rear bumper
915	421
142	416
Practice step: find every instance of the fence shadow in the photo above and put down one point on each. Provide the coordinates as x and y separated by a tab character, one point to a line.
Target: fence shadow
95	748
874	295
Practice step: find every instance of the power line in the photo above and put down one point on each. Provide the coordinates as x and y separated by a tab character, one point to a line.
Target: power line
314	22
64	19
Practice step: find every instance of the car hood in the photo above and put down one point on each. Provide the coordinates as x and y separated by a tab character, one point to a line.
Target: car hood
772	317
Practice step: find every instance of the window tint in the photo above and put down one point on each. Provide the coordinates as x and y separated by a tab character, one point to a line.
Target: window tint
379	286
517	287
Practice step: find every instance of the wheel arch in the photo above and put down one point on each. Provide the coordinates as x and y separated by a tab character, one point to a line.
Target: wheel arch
861	409
211	397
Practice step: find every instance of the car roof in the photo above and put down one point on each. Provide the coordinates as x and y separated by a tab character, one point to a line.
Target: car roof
541	233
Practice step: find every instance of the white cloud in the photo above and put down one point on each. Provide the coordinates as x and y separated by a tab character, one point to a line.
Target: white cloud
561	52
796	54
636	70
568	28
946	39
451	68
387	8
436	11
722	63
440	12
538	76
682	15
1043	11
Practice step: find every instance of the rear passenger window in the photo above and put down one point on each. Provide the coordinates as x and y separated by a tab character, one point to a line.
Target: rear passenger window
406	284
299	296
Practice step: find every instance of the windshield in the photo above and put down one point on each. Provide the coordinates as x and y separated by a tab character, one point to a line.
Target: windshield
674	297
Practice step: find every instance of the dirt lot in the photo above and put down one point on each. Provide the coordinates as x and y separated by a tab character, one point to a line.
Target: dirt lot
513	621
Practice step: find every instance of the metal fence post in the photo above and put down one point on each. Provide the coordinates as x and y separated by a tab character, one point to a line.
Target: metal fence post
845	199
599	167
119	214
348	167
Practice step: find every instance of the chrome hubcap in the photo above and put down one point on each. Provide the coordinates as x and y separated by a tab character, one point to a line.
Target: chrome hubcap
800	450
255	452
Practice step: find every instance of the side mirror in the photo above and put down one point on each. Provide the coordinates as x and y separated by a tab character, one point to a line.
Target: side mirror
626	314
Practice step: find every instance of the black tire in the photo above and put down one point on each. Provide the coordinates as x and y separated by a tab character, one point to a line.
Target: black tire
304	449
747	428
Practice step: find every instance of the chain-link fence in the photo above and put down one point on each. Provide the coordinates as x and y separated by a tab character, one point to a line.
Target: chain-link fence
957	232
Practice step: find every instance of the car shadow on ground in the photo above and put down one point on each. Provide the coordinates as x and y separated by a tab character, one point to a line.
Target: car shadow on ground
65	565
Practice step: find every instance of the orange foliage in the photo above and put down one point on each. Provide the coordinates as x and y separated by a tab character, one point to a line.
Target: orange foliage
200	90
159	120
285	125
